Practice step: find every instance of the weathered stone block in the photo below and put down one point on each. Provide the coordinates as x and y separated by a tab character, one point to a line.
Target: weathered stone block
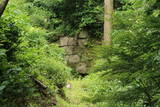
73	59
69	50
82	42
71	41
63	41
81	68
67	41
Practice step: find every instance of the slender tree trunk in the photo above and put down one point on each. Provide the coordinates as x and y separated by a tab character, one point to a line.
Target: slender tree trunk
3	5
108	10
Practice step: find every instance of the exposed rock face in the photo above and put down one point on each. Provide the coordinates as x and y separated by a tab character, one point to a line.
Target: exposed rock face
74	48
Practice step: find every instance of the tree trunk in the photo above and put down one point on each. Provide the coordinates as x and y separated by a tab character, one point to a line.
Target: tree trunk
108	10
3	5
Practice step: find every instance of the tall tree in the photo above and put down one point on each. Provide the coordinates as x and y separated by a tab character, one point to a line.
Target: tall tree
108	9
3	5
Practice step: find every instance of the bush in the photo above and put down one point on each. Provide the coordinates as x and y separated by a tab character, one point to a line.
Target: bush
27	56
133	58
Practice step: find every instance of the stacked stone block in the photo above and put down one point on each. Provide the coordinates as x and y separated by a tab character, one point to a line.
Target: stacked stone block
74	48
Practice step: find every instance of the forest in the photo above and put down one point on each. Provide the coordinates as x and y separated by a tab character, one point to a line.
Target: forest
79	53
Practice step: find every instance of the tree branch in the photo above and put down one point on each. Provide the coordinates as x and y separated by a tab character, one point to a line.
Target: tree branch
3	5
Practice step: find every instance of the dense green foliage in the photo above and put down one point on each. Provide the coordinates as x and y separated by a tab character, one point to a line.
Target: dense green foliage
68	17
33	70
128	71
135	56
133	59
25	54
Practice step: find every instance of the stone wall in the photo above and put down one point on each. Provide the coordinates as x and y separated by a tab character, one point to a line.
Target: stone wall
75	48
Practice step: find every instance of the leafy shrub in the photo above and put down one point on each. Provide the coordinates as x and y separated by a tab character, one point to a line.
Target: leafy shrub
131	58
95	91
25	56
